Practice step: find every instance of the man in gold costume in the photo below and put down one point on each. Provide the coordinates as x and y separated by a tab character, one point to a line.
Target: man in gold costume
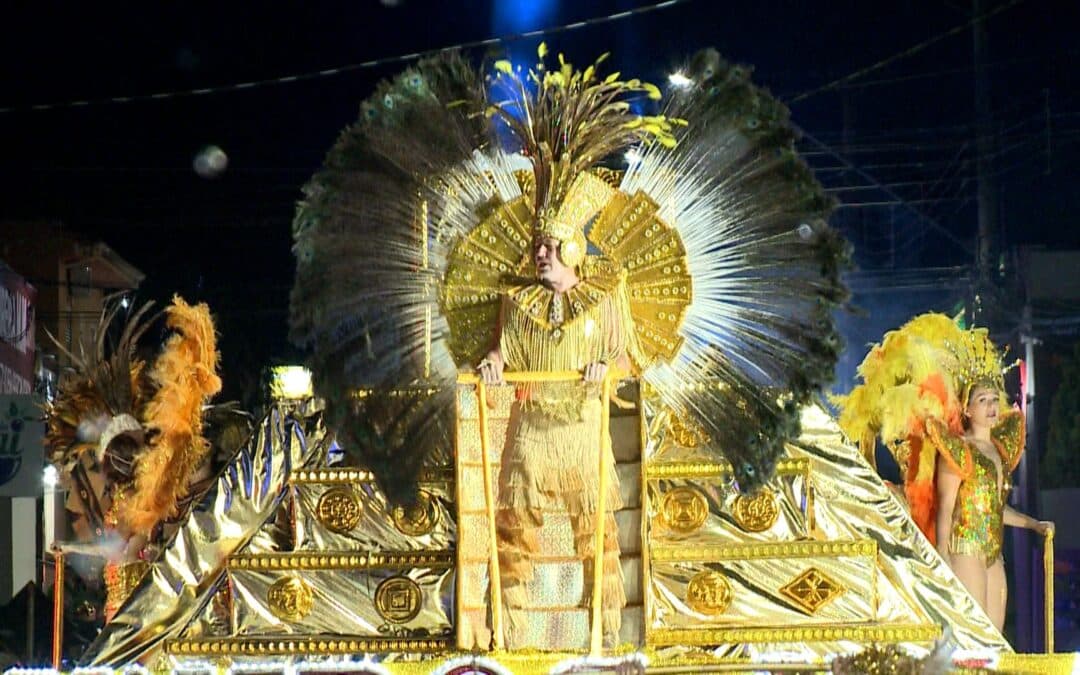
549	482
455	217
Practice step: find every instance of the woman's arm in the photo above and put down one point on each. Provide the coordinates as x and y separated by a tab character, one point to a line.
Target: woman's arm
1014	518
948	483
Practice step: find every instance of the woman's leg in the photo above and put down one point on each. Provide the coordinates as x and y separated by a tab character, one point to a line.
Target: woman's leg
997	593
971	571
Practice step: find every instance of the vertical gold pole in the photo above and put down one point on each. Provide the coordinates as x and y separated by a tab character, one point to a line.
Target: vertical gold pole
58	608
1048	589
597	642
495	582
459	576
644	392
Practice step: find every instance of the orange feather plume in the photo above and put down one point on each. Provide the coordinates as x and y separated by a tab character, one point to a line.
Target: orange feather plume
186	376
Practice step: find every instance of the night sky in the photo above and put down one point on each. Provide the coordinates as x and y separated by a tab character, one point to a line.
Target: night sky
895	144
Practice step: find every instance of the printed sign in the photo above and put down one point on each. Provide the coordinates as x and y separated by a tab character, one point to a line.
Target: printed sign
16	333
22	453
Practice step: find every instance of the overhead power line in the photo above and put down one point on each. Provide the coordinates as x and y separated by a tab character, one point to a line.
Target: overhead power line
363	65
914	49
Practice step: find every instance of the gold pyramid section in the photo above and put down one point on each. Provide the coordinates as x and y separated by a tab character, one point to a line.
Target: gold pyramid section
824	560
290	557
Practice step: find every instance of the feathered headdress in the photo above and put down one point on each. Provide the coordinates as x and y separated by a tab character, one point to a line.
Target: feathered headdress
566	121
126	440
424	211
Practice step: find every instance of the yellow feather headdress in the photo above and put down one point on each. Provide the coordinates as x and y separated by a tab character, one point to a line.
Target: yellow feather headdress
567	120
926	369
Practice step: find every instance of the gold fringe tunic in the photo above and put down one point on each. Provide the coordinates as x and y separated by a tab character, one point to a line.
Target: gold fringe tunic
548	485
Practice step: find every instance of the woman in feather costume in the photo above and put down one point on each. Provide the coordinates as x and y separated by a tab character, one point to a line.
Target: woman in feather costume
707	266
935	395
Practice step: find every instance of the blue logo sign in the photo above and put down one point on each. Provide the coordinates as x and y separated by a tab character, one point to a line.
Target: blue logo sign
13	424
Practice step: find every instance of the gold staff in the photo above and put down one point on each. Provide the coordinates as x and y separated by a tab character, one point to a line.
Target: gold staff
1048	588
58	608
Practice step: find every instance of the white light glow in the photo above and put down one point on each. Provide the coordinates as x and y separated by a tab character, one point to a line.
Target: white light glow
679	79
290	383
50	478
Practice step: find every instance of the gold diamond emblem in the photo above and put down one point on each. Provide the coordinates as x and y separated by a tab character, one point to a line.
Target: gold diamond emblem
708	593
684	509
757	512
812	590
398	599
339	510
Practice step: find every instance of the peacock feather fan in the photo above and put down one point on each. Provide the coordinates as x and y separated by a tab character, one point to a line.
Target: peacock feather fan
408	200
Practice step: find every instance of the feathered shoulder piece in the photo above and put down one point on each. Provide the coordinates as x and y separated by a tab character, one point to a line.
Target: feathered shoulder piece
185	375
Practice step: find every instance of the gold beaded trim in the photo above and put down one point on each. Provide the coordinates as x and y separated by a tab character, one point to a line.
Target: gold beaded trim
359	561
774	550
788	467
302	646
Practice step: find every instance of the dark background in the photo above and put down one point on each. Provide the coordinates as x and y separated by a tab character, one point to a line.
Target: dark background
898	139
884	92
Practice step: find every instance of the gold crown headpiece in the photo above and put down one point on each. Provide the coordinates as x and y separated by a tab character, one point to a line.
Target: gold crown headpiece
978	363
585	198
566	121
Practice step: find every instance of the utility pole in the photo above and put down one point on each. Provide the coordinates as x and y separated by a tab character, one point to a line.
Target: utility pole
986	247
1027	573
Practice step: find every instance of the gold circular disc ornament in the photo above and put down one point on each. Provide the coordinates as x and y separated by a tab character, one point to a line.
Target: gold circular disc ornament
757	512
290	598
419	518
398	599
339	510
572	251
684	509
708	593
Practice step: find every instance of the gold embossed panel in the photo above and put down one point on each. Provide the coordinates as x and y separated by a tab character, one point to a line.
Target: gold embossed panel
328	596
339	511
756	584
707	509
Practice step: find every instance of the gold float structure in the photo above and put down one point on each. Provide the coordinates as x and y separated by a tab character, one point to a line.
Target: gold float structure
319	564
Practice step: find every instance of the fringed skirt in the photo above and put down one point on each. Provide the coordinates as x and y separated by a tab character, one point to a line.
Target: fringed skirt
547	501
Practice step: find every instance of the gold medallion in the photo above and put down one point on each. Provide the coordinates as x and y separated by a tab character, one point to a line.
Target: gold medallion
708	593
290	598
812	590
756	512
684	432
684	509
339	510
419	518
397	599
